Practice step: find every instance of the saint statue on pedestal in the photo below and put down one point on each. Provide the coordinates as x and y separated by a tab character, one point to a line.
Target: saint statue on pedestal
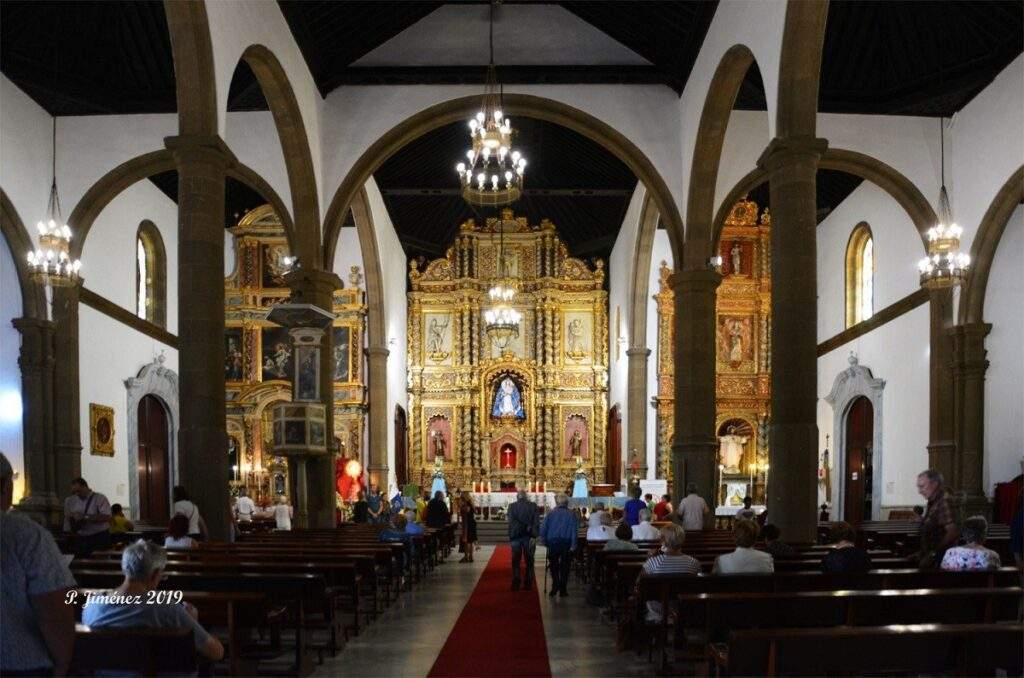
736	254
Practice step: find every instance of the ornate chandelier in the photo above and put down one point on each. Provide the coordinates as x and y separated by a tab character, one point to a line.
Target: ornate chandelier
501	320
945	266
494	172
50	264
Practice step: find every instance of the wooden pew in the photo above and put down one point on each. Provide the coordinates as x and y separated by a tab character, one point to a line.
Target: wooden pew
146	651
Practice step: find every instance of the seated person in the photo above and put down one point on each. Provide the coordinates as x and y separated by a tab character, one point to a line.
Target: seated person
972	555
396	532
621	541
746	513
411	527
143	564
594	519
644	531
177	534
773	543
745	559
602	531
669	560
119	525
845	555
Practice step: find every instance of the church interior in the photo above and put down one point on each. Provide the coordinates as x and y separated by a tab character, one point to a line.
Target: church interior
299	301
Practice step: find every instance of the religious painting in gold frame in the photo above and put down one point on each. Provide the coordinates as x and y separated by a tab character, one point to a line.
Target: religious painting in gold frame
101	430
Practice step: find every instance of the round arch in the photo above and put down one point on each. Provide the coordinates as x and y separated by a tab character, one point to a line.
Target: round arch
527	105
111	184
983	249
291	131
800	68
194	79
33	301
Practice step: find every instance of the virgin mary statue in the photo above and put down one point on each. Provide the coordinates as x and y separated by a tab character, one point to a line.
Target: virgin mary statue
507	400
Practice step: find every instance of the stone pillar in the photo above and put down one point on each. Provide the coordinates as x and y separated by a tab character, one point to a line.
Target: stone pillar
310	286
377	376
969	420
792	166
941	436
636	417
694	446
202	436
41	498
67	428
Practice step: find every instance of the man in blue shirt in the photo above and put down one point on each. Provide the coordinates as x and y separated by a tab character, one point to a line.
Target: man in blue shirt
559	535
633	508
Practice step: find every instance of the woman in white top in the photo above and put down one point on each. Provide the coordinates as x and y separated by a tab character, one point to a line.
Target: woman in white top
603	530
177	535
282	514
184	506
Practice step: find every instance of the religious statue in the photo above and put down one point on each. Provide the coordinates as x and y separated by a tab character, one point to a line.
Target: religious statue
735	342
507	400
825	472
731	450
435	344
439	443
574	341
575	443
736	253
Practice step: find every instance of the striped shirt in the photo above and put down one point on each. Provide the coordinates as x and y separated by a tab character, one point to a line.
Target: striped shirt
666	564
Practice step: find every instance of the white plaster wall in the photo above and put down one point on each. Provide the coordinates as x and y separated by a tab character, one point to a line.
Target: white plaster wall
897	247
108	259
662	252
620	292
234	26
25	154
745	139
394	271
101	381
898	353
252	137
1004	381
11	429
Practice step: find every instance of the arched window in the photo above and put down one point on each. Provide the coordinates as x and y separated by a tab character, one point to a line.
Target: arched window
860	275
150	275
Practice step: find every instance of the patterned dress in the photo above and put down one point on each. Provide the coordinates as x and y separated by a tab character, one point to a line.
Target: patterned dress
961	558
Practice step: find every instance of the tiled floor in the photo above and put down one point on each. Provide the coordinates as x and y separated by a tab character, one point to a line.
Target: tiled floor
407	638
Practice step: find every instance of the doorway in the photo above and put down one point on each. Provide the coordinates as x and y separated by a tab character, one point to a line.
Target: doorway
859	473
401	447
153	465
613	450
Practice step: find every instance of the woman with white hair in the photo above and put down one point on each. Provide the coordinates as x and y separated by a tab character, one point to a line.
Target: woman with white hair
602	531
972	555
129	605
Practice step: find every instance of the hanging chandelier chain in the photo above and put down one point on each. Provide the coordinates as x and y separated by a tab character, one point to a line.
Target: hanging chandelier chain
54	205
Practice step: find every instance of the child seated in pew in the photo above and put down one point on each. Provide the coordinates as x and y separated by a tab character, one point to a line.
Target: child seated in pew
119	525
129	605
177	534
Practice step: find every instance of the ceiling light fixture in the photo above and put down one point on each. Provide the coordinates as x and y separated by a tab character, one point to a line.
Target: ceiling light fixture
50	263
945	266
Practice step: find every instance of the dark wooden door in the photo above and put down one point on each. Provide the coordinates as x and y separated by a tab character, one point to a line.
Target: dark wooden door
154	488
860	424
401	447
613	450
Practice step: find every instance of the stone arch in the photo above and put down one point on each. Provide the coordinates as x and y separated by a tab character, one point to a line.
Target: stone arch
983	248
365	229
886	177
111	184
291	131
156	380
33	299
800	68
853	382
194	78
527	105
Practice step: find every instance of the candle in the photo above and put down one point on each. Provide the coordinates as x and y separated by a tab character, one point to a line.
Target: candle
751	493
545	487
718	492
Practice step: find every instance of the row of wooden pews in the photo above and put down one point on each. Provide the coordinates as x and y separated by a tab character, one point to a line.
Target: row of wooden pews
277	600
899	619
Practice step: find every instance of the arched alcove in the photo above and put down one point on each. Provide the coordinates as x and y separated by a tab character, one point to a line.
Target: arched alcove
152	380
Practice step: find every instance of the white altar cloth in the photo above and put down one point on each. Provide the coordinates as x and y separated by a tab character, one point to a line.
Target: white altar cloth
504	499
733	510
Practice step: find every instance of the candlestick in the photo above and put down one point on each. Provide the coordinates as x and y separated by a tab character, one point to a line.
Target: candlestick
751	493
718	490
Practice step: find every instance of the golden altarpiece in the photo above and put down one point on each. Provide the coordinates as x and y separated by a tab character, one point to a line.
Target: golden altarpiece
258	357
521	416
743	364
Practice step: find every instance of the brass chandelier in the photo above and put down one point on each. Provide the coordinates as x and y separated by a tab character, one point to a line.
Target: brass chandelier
945	266
50	263
501	320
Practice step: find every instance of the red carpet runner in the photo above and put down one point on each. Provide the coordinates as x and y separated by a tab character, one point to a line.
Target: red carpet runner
500	631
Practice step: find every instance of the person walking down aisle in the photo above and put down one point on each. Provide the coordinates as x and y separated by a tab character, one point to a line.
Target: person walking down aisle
558	532
523	529
437	512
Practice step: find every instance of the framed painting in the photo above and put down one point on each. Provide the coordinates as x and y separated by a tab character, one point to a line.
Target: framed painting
341	360
276	348
273	266
101	430
307	387
233	354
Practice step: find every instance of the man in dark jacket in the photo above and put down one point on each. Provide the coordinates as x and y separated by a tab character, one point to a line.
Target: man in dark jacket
438	515
523	528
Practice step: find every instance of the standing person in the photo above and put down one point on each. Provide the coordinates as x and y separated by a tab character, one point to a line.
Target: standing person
119	525
631	511
282	514
693	510
374	504
361	509
745	559
523	528
87	516
938	528
245	509
648	501
38	627
558	532
663	509
438	515
467	535
184	506
746	513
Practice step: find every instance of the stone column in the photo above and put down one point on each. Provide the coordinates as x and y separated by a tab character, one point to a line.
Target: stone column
377	375
41	498
67	459
694	446
969	421
636	418
202	436
941	436
792	166
310	286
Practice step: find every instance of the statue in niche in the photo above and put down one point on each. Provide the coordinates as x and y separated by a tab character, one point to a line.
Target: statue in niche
435	341
736	253
735	342
439	443
731	450
575	347
508	402
575	444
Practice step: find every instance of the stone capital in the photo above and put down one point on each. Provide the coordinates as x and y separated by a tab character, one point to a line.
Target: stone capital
378	352
638	352
785	151
696	280
200	148
28	325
